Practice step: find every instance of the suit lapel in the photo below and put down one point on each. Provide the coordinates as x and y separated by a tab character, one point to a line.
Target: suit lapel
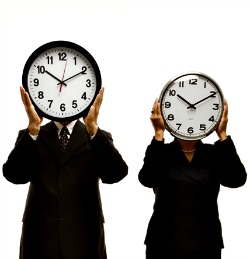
48	135
184	165
78	137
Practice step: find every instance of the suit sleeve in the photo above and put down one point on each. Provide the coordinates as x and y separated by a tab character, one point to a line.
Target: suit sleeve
231	170
110	164
21	161
150	174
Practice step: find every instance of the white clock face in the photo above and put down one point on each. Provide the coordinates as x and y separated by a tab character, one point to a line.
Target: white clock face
61	82
191	106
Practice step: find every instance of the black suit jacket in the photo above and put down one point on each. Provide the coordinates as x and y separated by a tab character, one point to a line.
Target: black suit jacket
63	213
185	213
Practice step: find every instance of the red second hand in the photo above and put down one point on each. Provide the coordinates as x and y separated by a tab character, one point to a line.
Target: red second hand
63	76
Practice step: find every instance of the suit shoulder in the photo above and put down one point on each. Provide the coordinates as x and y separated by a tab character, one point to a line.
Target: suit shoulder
107	133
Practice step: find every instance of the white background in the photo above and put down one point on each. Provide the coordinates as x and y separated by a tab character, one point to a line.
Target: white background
138	45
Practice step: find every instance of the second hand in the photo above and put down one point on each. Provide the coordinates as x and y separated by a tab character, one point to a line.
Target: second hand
63	76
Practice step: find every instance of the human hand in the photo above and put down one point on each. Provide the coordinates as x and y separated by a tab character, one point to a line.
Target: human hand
222	128
34	119
91	119
157	121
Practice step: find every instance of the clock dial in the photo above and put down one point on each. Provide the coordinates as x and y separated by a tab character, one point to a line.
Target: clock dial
62	80
191	106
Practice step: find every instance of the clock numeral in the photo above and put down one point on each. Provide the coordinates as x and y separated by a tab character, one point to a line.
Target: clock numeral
179	125
216	106
50	60
213	94
88	82
74	104
75	60
170	117
190	130
205	84
36	82
181	84
62	107
203	127
40	95
84	69
172	92
211	119
50	103
84	96
193	81
41	69
167	105
62	56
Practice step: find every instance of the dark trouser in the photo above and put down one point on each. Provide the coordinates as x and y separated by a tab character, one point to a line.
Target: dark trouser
160	253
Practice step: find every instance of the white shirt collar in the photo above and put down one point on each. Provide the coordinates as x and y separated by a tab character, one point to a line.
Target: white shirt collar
70	126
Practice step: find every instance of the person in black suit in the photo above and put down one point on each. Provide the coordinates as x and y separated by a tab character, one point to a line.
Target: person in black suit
186	178
63	217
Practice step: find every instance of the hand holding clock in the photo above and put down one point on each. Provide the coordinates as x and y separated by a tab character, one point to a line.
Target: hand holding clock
222	128
157	121
34	119
159	127
91	119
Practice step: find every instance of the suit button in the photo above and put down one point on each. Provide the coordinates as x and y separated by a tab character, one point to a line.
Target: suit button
61	217
61	171
61	196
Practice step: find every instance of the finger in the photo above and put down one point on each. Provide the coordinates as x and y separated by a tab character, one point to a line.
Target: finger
99	97
158	109
96	105
22	92
225	113
155	104
98	100
154	108
224	116
101	90
27	100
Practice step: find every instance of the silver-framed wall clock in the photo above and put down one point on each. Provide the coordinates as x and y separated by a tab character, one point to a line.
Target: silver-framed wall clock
62	79
192	105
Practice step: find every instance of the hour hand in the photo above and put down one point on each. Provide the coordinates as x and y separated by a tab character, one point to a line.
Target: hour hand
187	102
60	81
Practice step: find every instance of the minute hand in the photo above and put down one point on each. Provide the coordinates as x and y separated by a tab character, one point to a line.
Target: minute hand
82	72
211	95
